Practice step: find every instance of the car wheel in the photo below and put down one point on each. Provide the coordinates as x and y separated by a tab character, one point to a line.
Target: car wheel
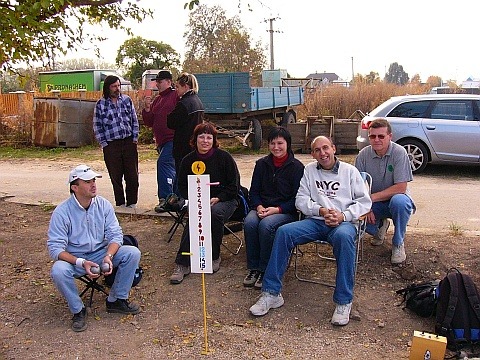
417	154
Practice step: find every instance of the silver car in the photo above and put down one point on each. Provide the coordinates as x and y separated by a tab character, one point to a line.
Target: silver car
432	128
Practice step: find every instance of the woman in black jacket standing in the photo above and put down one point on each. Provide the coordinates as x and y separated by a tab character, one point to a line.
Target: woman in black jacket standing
187	114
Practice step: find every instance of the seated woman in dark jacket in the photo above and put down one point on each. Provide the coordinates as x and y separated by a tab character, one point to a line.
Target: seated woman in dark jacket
221	167
275	182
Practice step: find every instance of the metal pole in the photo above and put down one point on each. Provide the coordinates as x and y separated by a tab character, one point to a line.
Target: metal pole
353	74
272	63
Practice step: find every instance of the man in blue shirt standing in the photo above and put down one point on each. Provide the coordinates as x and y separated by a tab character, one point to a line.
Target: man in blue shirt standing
84	233
115	125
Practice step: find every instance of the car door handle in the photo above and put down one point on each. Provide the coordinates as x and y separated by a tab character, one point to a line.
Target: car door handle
430	127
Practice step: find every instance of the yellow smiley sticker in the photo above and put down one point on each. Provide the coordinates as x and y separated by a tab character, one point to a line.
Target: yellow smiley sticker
198	167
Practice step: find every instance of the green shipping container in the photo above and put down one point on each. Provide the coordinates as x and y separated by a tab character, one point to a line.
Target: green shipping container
74	80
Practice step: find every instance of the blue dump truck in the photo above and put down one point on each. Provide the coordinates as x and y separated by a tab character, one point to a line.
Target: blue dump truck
237	109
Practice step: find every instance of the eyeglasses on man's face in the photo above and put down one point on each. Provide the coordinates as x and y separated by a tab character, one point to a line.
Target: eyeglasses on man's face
380	136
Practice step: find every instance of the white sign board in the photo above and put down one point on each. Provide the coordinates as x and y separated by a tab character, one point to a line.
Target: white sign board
199	215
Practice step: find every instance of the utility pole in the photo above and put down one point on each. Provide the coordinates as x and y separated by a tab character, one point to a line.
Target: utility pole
353	74
271	31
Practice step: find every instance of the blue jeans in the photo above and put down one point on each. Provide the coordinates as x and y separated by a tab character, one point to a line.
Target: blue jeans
126	261
165	170
259	236
399	208
342	238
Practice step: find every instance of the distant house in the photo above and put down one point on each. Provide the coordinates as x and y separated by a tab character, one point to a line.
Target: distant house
315	80
471	83
323	78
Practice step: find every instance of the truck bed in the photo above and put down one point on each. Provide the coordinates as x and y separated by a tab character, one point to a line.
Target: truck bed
230	93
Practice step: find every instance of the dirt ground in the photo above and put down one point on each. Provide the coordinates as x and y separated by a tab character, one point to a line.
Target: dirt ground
35	322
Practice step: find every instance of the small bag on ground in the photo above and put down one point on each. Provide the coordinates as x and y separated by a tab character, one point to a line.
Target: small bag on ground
420	298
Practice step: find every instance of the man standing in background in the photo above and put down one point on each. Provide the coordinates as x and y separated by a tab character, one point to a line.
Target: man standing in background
155	115
115	125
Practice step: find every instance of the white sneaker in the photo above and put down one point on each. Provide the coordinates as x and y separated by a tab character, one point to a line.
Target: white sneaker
379	237
266	302
398	254
341	315
132	206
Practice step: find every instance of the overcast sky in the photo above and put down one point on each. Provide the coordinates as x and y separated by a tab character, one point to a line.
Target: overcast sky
424	36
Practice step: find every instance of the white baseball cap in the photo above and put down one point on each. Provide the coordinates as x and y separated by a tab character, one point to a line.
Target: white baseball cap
83	172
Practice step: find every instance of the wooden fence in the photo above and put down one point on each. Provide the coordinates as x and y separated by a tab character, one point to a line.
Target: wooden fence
17	112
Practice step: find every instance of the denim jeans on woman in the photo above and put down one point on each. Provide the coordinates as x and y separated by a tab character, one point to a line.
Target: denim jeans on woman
259	235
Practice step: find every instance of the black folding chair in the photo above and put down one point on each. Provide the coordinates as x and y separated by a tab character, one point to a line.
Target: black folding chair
92	285
235	223
179	218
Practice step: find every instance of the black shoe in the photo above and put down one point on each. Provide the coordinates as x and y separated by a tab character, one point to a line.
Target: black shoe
80	321
122	306
258	283
160	208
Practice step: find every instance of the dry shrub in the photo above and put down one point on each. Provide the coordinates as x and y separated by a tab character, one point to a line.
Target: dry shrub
342	102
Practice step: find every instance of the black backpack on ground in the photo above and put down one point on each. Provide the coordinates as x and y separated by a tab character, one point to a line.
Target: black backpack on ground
458	310
420	298
132	241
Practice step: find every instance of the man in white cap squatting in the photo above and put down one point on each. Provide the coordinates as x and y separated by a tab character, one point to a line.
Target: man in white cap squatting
84	233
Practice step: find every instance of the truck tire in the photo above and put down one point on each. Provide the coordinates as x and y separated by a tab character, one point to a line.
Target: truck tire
288	118
417	154
255	138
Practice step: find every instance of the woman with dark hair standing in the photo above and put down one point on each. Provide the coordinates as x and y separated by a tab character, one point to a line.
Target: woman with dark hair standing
223	170
115	125
275	181
187	114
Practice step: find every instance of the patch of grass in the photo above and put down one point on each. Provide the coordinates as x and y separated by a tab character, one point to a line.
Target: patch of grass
46	206
90	152
455	229
36	152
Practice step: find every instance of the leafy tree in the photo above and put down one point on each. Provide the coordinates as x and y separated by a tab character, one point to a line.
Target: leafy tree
19	79
33	30
434	81
416	79
38	30
216	43
396	75
76	64
138	54
9	82
372	77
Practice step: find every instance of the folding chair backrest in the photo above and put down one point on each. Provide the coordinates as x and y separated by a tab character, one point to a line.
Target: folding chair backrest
368	180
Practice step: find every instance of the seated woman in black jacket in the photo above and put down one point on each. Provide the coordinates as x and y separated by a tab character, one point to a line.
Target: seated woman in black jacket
221	167
275	181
